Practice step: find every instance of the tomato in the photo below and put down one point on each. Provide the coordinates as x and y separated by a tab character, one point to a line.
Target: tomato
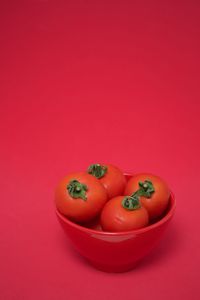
111	177
116	218
154	193
80	196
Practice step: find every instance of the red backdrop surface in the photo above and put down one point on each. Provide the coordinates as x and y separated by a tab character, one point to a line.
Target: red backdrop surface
95	81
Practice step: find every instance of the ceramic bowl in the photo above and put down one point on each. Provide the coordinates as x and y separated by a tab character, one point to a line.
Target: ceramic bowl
116	252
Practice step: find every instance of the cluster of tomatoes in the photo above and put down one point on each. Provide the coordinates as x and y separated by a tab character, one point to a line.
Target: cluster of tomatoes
103	191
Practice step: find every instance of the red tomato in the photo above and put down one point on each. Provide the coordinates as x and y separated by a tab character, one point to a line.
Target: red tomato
116	218
80	197
158	193
111	177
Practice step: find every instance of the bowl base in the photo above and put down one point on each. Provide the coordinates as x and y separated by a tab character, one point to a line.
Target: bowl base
113	269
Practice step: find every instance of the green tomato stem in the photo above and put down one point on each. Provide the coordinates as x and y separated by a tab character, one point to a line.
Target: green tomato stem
97	170
131	202
146	189
77	190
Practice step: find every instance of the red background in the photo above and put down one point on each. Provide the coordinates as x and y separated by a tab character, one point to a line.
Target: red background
95	81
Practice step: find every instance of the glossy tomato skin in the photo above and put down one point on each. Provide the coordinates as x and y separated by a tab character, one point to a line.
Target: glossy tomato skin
114	181
80	210
115	218
158	201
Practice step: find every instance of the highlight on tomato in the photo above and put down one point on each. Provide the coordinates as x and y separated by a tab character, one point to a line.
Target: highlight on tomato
152	191
123	213
110	176
80	197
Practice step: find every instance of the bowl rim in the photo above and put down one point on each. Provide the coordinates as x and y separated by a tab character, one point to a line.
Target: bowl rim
87	230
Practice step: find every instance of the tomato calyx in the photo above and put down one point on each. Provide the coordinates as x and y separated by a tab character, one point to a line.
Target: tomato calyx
131	202
146	189
77	189
97	170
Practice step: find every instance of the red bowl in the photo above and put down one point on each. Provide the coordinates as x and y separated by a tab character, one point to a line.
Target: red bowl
119	251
